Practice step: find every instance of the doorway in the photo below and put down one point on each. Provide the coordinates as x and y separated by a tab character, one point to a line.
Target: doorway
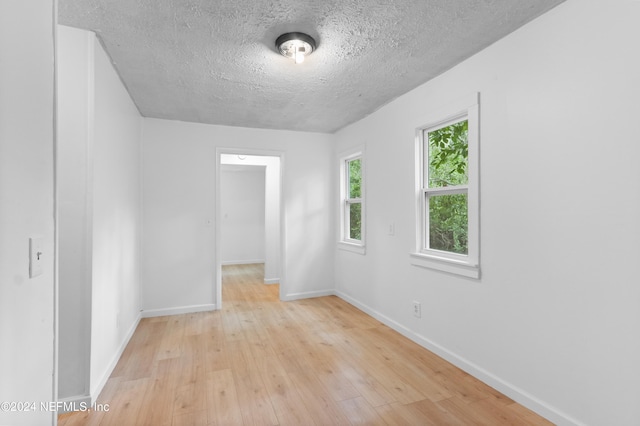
260	237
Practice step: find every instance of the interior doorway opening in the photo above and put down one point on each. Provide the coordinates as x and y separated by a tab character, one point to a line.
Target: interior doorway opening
249	220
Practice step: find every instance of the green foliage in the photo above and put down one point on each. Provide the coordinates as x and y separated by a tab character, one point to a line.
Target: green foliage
355	178
448	223
355	191
448	153
355	223
448	215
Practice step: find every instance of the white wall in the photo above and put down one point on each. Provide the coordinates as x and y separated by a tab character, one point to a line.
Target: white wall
75	88
98	167
116	228
272	234
554	320
26	207
242	195
179	163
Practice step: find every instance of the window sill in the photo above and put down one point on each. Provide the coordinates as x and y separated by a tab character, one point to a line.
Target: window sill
445	265
352	247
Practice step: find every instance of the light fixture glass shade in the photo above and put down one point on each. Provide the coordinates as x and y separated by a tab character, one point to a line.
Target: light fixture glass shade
295	46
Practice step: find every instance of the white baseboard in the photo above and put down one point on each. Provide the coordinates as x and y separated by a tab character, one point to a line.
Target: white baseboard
308	295
522	397
150	313
73	403
241	262
271	280
95	390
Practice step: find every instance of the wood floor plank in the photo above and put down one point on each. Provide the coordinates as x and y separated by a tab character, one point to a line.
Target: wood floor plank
73	419
463	413
359	412
170	345
157	405
192	360
339	385
410	349
364	356
437	414
222	399
193	418
232	326
260	361
217	356
141	362
455	382
256	405
190	397
491	411
195	323
125	405
368	386
251	390
286	401
406	415
317	400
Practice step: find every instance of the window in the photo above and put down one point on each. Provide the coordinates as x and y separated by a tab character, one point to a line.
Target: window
352	202
447	207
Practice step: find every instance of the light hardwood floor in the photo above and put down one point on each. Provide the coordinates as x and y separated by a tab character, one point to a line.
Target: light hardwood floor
260	361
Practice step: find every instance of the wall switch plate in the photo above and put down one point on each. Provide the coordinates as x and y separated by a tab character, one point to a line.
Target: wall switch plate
392	229
417	309
36	256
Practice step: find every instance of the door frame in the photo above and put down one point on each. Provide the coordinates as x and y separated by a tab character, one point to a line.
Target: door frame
218	217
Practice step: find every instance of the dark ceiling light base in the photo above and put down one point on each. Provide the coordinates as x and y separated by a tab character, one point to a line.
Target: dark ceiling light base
295	45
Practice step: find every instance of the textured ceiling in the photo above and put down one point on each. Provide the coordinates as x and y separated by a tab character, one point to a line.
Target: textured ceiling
214	61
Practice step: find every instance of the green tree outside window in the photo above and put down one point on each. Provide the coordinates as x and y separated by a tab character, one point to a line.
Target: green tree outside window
354	169
447	167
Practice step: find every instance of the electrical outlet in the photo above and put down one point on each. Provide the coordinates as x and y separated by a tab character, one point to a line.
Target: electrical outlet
417	309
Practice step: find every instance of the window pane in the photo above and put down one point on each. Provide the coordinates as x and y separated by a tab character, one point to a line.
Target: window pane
448	223
448	155
355	221
355	178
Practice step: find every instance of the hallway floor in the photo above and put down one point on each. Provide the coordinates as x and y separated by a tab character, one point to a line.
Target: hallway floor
265	362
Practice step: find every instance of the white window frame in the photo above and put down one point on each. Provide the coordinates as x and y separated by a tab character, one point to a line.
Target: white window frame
466	265
344	242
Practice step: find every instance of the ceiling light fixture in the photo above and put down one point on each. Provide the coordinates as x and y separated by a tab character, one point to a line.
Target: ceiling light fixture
295	46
